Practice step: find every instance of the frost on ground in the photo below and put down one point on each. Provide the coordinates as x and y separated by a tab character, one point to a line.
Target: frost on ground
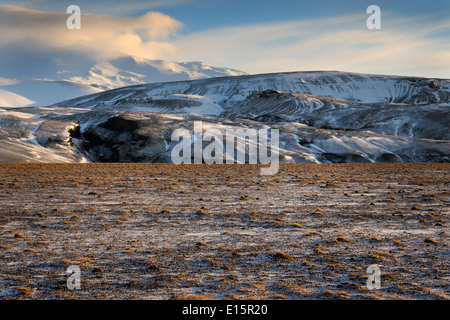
164	231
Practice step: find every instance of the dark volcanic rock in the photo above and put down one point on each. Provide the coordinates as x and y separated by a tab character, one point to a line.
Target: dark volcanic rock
389	157
345	158
123	139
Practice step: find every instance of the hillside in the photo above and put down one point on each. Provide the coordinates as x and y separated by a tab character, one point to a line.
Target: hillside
322	117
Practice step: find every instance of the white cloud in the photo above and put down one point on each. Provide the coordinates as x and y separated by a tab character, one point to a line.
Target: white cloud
408	46
101	36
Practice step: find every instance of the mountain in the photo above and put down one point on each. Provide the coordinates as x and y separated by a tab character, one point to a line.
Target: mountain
322	117
52	81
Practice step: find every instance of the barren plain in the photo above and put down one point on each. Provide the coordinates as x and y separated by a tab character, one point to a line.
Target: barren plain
165	231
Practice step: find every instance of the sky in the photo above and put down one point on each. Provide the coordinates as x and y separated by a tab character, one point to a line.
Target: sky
254	36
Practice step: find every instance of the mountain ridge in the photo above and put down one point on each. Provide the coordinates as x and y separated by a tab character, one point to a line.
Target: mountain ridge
322	117
62	83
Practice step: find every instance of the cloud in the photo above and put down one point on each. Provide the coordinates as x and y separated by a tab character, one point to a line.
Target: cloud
100	37
408	46
37	43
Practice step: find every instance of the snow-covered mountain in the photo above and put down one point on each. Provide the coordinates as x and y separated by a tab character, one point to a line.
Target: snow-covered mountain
52	81
322	117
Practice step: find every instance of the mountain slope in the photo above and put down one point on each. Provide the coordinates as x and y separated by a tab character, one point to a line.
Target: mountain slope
413	107
322	117
340	85
54	82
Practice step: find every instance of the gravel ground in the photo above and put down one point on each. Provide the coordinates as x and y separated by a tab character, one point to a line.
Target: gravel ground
164	231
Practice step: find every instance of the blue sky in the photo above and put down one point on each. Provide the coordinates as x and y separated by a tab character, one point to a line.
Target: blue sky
259	36
207	14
